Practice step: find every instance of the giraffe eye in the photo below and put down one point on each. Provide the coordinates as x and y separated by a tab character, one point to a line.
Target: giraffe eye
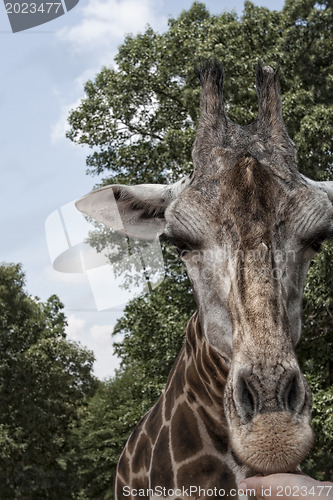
183	244
176	242
316	241
180	245
317	245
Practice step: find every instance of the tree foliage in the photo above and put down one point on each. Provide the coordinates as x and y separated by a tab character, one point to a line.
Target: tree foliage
315	352
44	379
139	119
105	425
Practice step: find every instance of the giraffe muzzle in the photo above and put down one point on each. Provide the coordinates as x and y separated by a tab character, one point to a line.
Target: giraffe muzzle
268	409
253	395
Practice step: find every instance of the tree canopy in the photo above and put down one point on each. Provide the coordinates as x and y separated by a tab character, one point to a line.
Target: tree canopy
140	117
44	380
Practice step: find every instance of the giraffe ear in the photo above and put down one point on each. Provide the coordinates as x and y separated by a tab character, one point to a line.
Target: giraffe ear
328	187
324	185
137	211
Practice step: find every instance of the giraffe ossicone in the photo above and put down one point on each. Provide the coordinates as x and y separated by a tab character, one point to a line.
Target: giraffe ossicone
247	224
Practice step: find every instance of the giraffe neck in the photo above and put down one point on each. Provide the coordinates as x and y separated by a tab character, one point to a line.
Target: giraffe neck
198	379
183	442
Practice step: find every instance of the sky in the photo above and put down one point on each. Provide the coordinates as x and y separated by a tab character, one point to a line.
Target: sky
43	71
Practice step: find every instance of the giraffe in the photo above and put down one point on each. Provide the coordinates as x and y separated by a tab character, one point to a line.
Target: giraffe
246	224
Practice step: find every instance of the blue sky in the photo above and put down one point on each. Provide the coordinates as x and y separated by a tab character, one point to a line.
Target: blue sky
42	77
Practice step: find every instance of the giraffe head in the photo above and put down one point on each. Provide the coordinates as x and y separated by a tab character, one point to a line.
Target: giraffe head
246	223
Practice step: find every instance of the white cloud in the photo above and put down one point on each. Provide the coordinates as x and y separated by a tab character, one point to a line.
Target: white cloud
101	341
68	104
61	126
75	328
101	334
97	338
94	42
105	22
68	279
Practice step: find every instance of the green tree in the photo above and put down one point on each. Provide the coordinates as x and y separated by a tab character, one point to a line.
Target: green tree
105	426
44	380
315	352
140	119
154	332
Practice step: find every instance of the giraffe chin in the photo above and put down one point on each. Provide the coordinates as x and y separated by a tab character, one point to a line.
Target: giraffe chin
273	442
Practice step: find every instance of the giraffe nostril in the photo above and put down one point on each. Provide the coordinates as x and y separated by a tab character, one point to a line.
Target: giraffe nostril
284	394
246	399
294	394
291	396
